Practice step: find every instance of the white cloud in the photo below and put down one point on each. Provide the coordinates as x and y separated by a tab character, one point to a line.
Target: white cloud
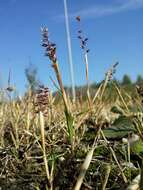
99	11
132	4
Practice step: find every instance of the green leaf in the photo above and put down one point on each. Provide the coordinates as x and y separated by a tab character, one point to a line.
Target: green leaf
70	125
117	110
137	147
120	128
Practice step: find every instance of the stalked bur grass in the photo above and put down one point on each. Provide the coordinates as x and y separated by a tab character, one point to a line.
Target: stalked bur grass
42	100
108	78
50	51
101	90
83	45
41	105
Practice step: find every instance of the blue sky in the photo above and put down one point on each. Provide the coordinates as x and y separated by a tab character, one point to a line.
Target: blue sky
114	29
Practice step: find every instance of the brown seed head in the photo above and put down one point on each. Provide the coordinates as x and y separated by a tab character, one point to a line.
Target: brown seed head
42	100
83	40
50	48
111	72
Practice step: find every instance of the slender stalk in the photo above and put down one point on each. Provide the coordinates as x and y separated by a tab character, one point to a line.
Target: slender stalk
87	77
43	145
58	75
107	173
84	168
87	162
115	158
83	45
69	50
97	93
120	95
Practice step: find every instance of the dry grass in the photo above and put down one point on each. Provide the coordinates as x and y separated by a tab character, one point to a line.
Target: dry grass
38	152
